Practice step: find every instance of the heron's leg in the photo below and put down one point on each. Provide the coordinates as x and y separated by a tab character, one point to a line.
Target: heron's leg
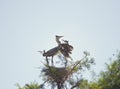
71	58
66	62
52	61
47	60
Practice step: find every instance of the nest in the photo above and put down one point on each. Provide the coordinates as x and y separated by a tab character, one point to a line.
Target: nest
56	74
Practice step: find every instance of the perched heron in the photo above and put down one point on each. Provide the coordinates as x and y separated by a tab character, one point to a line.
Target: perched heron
51	53
65	48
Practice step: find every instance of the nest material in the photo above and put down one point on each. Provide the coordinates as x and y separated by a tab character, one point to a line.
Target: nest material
59	74
56	74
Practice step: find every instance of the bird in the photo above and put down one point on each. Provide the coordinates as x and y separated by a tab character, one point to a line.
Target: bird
64	48
50	53
68	48
64	45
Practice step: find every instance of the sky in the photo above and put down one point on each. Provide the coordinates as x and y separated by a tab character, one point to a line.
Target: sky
27	26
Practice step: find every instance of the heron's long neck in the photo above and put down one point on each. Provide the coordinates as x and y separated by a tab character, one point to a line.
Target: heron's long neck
57	40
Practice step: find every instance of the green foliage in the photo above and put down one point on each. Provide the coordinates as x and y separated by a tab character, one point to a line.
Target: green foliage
32	85
94	85
110	79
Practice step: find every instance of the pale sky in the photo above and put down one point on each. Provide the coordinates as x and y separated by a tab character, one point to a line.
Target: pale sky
27	26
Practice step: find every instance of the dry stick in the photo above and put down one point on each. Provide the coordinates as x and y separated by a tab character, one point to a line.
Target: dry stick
73	69
77	64
69	73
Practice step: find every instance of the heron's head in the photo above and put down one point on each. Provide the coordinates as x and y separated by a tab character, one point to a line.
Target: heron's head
65	41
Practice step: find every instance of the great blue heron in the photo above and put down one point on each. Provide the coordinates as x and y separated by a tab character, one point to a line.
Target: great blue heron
65	48
50	53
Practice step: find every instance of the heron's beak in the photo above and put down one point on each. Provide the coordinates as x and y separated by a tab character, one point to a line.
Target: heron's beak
40	52
59	36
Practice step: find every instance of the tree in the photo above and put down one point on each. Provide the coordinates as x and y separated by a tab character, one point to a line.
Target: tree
110	79
68	75
62	77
